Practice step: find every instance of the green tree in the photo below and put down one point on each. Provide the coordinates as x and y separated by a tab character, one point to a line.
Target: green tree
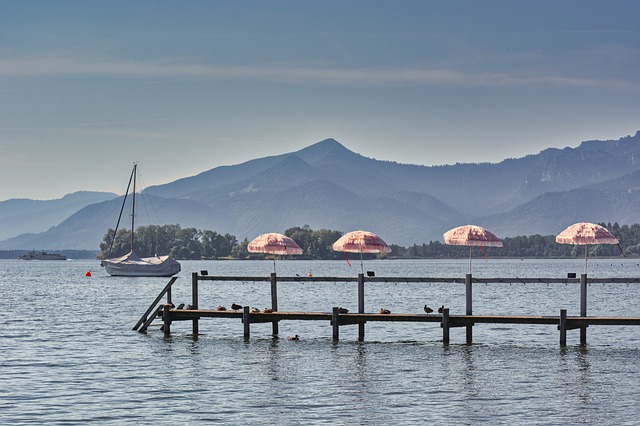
187	244
240	250
120	244
315	244
215	246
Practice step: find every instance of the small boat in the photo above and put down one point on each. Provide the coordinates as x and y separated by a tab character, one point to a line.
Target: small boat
132	265
42	255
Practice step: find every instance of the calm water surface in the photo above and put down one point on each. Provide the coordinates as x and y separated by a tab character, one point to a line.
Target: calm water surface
69	356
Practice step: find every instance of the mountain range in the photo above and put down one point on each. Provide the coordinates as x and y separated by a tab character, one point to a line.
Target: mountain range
327	186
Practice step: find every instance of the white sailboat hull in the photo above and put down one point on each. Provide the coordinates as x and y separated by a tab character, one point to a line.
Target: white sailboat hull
131	265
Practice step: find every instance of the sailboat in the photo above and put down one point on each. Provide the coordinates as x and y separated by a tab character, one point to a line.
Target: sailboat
132	265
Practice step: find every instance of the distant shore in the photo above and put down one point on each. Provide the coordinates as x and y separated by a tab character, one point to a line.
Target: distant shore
71	254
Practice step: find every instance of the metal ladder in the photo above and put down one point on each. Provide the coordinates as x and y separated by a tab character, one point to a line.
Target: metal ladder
146	319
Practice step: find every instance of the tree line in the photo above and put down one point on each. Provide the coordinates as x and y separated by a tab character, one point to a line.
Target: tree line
540	246
195	244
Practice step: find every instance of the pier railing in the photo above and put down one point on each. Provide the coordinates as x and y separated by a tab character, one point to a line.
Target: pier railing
169	314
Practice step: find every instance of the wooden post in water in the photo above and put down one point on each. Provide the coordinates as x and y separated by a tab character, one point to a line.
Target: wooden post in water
445	326
194	301
583	307
274	302
166	326
361	306
335	323
469	291
165	316
246	322
563	327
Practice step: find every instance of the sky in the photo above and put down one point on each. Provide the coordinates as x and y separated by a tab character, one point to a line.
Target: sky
87	88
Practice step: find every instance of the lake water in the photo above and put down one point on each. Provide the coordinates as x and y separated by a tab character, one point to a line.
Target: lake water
69	356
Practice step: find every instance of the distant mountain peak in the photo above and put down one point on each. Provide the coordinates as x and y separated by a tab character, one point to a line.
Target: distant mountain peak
322	148
329	143
328	151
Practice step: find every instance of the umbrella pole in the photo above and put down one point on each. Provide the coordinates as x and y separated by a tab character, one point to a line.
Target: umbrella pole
586	251
274	263
361	264
470	259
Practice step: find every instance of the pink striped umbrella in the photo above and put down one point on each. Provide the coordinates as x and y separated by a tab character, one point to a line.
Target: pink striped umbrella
361	242
585	233
274	243
471	235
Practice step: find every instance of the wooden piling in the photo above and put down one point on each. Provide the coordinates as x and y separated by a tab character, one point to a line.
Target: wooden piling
166	320
335	322
274	303
583	307
361	306
246	321
445	326
563	327
469	311
194	302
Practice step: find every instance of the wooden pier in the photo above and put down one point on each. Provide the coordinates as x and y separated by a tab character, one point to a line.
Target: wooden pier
168	314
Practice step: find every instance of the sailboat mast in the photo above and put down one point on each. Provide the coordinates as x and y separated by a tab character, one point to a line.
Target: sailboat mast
133	204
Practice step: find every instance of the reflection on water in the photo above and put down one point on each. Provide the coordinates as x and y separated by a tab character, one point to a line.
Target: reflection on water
69	355
582	381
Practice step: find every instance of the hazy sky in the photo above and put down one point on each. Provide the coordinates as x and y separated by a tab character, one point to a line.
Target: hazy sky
89	87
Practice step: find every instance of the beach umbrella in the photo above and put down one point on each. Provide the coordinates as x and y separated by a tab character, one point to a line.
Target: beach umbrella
274	243
471	235
360	242
585	233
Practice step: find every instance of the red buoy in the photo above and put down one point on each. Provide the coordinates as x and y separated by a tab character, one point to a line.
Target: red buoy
87	274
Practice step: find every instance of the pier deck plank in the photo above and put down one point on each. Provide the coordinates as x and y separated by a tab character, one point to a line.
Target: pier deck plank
356	318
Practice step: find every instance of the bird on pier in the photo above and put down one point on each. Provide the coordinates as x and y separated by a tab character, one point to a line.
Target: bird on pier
441	309
296	337
254	310
427	309
343	311
180	306
384	311
221	308
235	307
267	310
